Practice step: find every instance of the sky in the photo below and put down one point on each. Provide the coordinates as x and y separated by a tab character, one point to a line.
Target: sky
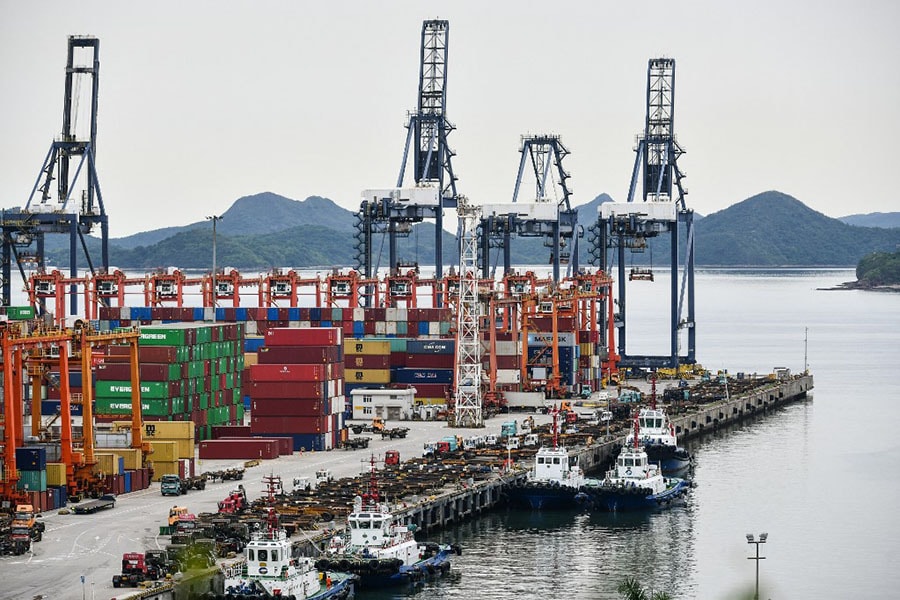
204	102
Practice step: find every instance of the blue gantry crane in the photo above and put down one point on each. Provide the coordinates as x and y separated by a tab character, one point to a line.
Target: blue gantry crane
546	216
630	226
392	212
74	205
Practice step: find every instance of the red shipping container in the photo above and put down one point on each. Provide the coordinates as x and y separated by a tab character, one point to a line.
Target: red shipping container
347	328
303	336
283	355
507	362
288	425
230	431
122	372
430	361
426	390
290	389
285	407
367	361
398	359
347	314
249	448
285	444
289	372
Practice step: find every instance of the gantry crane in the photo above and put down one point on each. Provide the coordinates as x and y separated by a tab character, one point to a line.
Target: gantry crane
544	216
393	212
629	226
24	229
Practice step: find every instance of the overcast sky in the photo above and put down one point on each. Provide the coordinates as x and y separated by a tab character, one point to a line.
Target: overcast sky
204	102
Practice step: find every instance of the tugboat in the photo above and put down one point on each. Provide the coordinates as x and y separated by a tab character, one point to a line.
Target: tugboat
552	482
659	439
379	550
268	570
633	484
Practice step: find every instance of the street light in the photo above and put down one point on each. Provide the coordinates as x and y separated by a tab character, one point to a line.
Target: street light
757	558
215	292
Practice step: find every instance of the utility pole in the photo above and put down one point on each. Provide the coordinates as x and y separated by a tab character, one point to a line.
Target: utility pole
215	290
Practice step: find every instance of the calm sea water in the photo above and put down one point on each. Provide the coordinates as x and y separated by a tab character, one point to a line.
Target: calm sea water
819	476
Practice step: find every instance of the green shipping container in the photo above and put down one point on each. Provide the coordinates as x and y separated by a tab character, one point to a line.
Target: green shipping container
21	313
122	389
159	336
33	481
152	407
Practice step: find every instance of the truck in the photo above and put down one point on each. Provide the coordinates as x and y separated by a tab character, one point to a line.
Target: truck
171	485
391	457
508	429
355	443
376	426
235	502
91	506
25	528
135	570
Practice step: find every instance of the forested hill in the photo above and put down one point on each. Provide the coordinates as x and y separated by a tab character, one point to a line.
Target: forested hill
267	230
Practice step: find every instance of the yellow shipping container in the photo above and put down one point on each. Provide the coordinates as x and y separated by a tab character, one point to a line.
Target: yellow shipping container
251	358
431	400
107	463
133	457
161	468
163	451
352	346
184	448
368	376
168	430
56	474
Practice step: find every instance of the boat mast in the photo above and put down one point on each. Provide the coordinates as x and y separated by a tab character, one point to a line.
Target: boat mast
555	429
637	431
653	390
370	498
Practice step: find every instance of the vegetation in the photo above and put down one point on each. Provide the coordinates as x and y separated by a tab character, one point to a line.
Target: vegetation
879	269
267	230
631	589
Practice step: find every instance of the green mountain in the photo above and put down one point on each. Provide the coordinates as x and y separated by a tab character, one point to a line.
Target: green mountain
774	229
879	269
876	219
267	230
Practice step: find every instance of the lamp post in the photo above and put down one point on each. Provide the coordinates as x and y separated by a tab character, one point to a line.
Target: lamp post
215	292
757	558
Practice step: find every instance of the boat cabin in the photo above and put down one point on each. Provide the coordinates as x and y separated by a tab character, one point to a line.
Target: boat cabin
552	464
268	556
634	465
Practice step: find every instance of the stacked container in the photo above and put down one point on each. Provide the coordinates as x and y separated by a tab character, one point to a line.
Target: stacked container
188	372
296	389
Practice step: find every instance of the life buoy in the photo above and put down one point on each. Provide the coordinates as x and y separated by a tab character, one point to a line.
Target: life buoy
628	471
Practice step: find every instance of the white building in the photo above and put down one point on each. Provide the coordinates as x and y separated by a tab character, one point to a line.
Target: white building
391	405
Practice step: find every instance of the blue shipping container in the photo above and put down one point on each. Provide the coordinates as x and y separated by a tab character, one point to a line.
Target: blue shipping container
198	313
359	328
400	375
240	313
272	313
309	441
253	344
127	478
423	327
315	313
294	313
31	459
430	346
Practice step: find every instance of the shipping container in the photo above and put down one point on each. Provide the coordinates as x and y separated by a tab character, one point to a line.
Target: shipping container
288	425
430	347
274	355
289	407
414	376
244	449
291	372
289	389
290	336
31	458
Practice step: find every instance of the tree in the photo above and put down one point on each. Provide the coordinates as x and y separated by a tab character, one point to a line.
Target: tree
631	589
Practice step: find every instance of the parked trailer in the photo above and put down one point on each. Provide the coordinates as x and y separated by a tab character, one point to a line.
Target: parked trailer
92	506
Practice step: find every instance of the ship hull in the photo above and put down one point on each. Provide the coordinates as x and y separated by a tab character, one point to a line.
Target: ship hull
623	498
375	573
542	495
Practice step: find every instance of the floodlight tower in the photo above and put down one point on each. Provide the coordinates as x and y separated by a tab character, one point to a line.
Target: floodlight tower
24	229
392	212
661	210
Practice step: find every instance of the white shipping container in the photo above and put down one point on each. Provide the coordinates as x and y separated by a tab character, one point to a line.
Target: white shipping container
294	324
390	328
434	328
337	405
390	314
566	338
359	314
508	376
305	324
509	348
380	328
250	328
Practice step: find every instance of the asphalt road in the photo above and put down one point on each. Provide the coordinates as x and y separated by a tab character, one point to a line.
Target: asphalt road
91	546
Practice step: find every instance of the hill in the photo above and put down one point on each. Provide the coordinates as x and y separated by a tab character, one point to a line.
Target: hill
267	230
876	219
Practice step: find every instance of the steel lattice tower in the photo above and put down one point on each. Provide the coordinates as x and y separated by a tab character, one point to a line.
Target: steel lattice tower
660	210
468	407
